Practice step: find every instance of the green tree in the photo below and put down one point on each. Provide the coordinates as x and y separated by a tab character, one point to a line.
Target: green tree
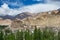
39	34
31	36
27	35
35	33
2	27
48	34
51	34
58	35
1	35
9	35
19	35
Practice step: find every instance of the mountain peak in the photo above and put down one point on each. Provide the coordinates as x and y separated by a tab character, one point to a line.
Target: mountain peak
59	9
24	15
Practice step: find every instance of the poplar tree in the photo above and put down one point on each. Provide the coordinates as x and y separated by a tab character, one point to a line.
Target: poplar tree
1	35
48	34
27	35
9	35
35	33
19	35
39	34
58	35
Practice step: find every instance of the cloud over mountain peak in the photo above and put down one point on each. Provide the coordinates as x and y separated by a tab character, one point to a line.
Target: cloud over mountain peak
35	8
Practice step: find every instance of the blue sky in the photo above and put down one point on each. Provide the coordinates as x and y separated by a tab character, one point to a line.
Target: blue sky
14	7
20	3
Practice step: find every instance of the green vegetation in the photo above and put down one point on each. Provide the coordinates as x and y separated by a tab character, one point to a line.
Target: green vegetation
37	34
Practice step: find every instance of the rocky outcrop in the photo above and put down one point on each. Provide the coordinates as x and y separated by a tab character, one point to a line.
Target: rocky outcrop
6	22
18	16
30	20
24	15
43	19
7	17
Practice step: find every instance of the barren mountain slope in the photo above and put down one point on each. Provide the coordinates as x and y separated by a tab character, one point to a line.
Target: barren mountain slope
5	22
50	19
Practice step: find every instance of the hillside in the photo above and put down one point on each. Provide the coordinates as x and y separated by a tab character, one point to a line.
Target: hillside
30	20
43	19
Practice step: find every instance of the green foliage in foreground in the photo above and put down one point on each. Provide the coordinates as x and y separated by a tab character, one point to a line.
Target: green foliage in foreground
37	34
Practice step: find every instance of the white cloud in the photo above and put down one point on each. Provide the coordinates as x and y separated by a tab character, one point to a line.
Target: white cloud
56	2
5	6
4	9
39	8
13	3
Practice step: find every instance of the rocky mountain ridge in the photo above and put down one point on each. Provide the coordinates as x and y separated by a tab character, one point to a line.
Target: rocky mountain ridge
50	19
18	16
29	20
